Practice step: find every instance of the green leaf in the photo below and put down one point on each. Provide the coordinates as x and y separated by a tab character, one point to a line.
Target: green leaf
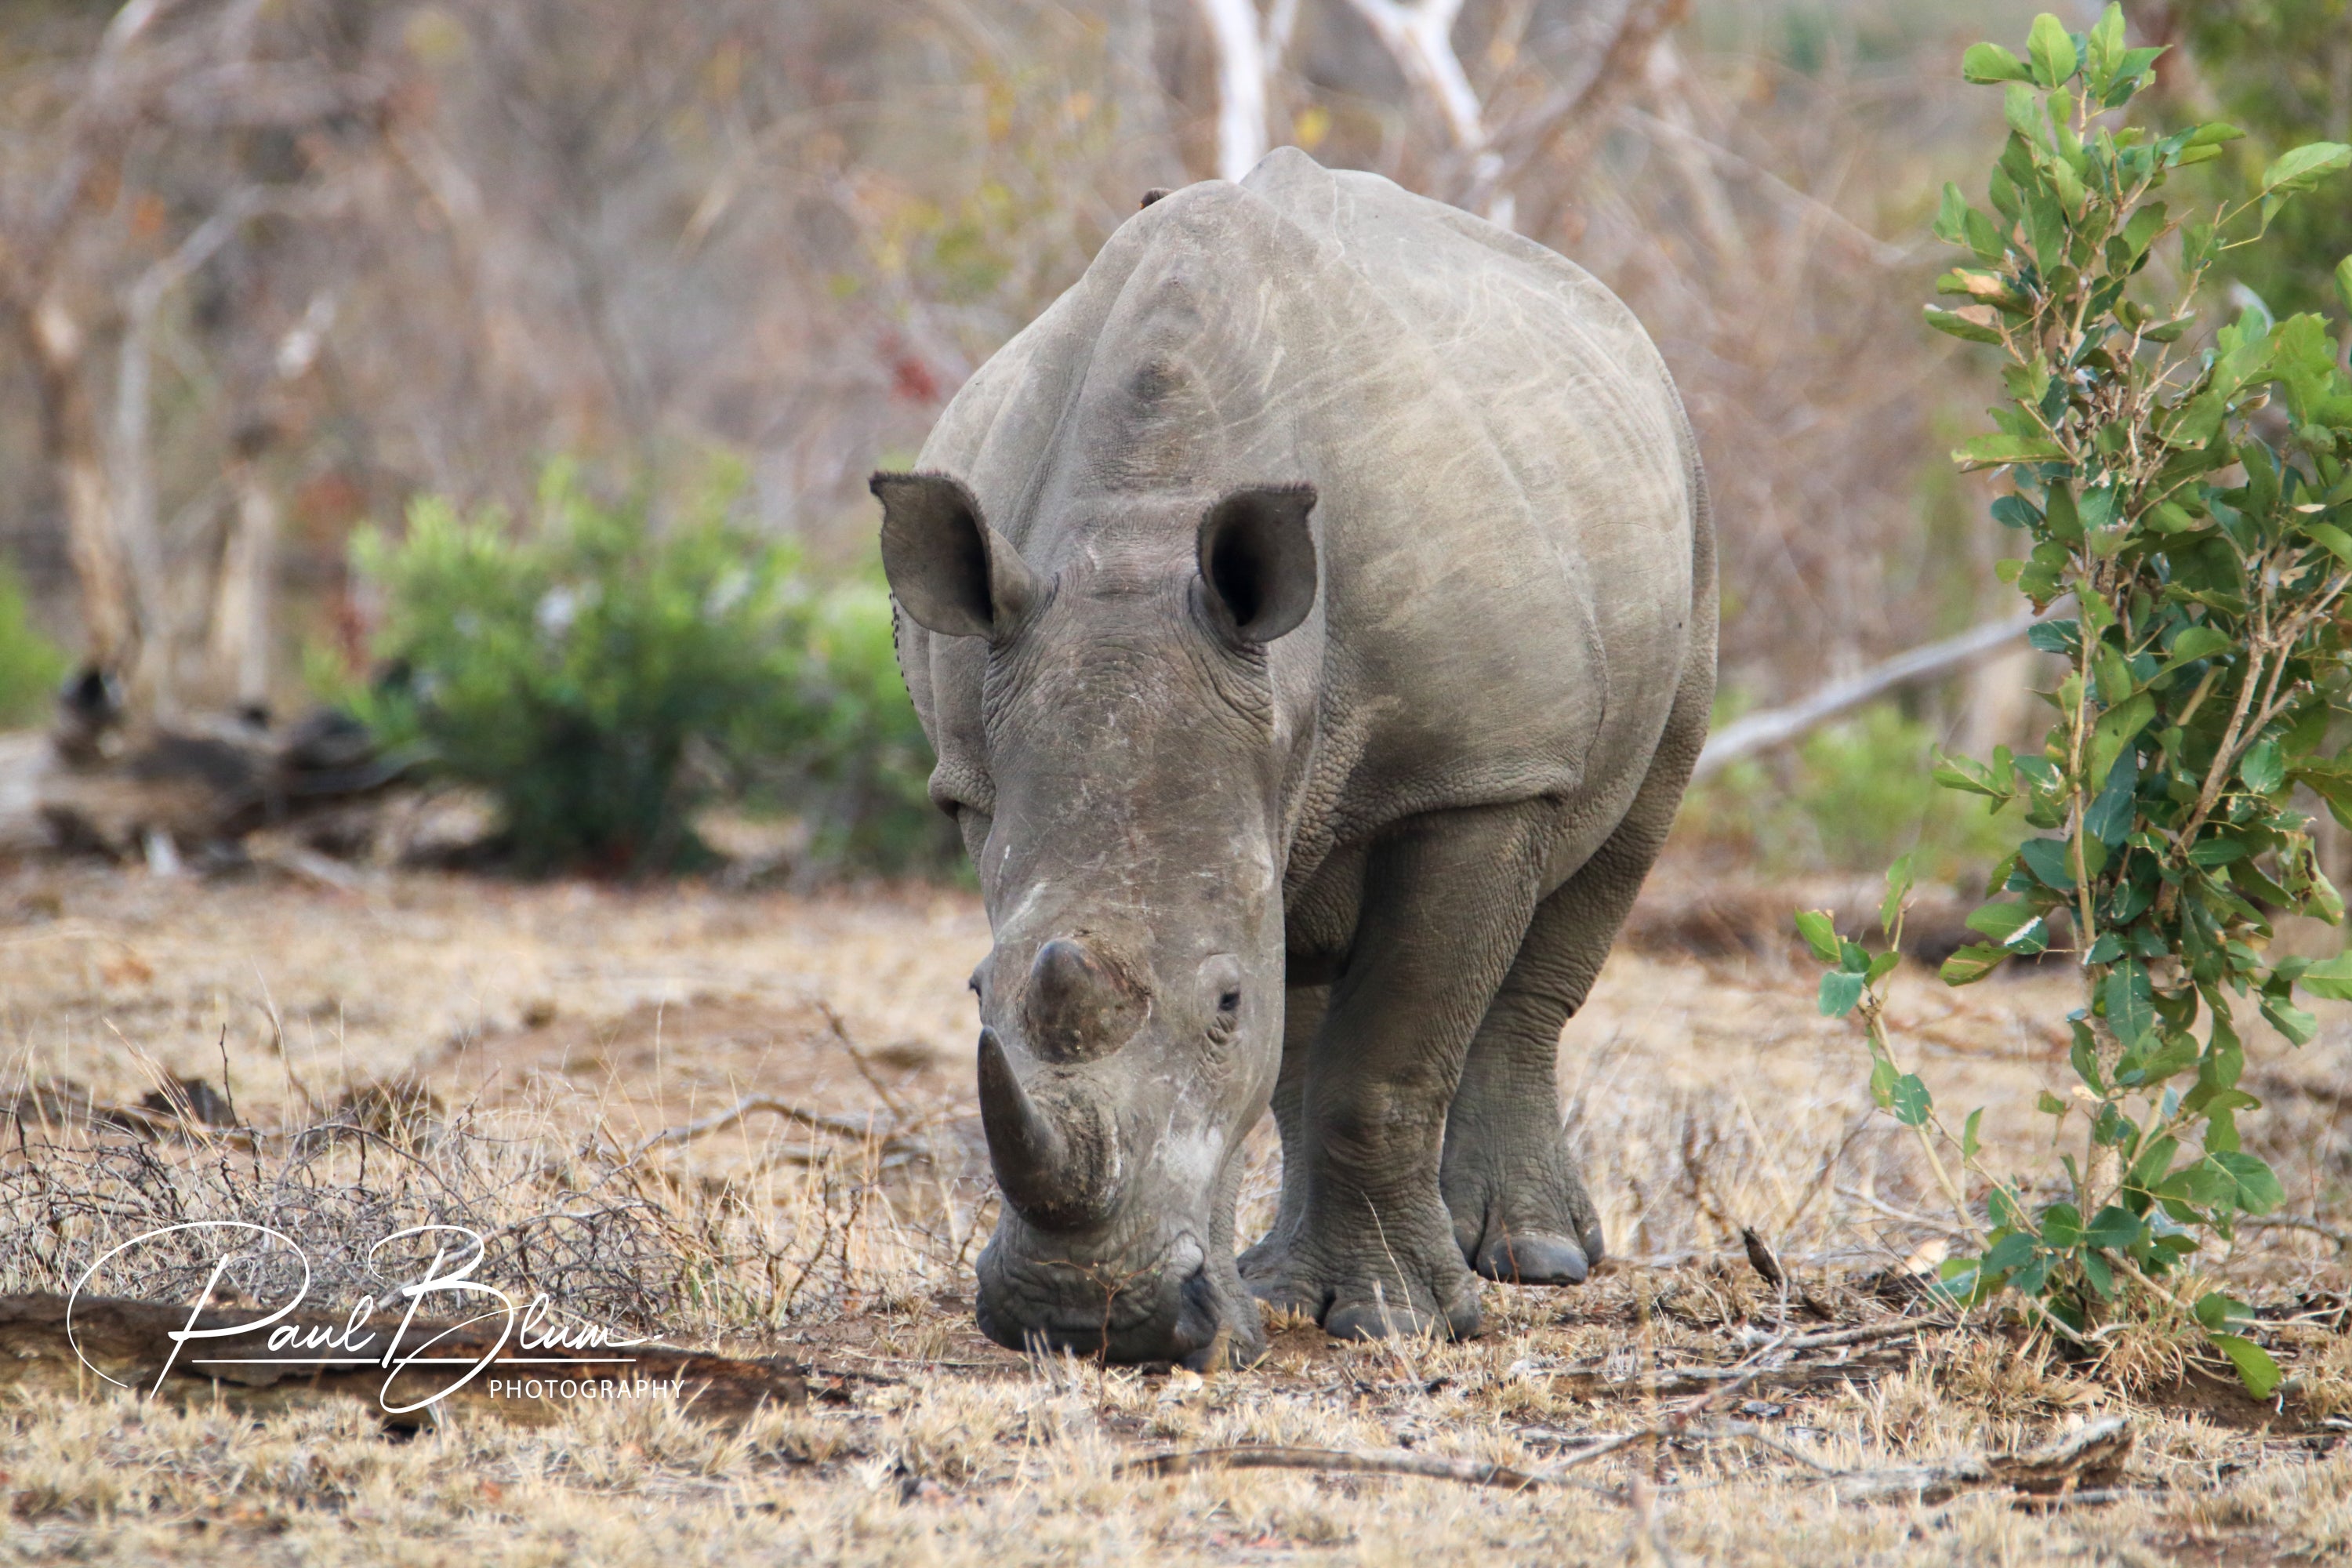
1963	323
2062	1225
2255	1369
1952	217
1819	927
1911	1102
2290	1020
2095	1270
2331	979
2114	1227
2131	1009
2196	643
2258	1189
2128	72
2048	1104
1898	883
1988	451
2344	283
2338	542
1971	776
2109	817
2106	44
1882	1081
2115	729
1840	990
2051	49
1972	963
2007	1252
2306	165
1969	1143
2264	767
1990	63
2212	134
2213	1310
2002	922
2049	861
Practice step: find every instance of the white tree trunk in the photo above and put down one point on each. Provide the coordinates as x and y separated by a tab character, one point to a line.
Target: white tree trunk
1420	37
1250	49
241	600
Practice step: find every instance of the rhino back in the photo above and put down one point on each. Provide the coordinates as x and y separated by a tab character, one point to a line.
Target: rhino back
1509	491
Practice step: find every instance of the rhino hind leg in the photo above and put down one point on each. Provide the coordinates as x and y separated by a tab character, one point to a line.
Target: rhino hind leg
1367	1246
1517	1200
1520	1210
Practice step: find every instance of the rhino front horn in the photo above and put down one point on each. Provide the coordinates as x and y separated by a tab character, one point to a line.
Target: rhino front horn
1078	1006
1056	1160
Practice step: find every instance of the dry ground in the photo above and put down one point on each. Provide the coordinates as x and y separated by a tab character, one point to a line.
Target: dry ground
517	1053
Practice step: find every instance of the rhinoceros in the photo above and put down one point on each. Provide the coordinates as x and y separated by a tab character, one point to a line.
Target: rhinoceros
1313	613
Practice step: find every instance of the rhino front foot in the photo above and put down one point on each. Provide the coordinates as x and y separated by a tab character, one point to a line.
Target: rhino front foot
1358	1293
1528	1224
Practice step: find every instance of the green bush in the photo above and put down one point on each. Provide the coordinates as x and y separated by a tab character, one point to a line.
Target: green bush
603	680
30	665
2184	505
2275	67
1849	797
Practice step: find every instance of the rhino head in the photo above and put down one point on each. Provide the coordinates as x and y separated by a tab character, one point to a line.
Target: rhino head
1127	821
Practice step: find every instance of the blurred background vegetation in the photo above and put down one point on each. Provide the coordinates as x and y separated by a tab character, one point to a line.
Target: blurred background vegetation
508	370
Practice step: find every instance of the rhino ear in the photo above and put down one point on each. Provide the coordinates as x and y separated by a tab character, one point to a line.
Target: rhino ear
1258	560
949	570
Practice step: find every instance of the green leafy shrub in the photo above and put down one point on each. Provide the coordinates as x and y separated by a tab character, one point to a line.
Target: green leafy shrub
2278	68
604	679
2193	503
30	665
1848	797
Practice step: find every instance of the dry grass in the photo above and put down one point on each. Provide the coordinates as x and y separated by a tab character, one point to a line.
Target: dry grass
539	1039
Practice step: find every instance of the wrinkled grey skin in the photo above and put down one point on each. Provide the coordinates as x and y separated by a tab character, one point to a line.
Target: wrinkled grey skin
1314	615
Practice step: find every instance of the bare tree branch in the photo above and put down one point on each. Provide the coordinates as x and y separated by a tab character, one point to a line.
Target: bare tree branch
1777	726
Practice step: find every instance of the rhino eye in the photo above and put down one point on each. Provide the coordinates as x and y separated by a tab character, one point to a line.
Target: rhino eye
1230	1001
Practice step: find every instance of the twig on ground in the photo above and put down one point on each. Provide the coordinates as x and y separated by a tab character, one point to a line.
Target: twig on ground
1866	1333
2343	1240
857	1059
1376	1462
750	1105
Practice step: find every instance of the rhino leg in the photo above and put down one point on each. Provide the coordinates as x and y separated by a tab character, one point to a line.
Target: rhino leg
1303	1007
1446	901
1520	1207
1519	1204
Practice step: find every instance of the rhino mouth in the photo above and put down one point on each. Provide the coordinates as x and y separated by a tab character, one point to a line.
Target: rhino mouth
1166	1311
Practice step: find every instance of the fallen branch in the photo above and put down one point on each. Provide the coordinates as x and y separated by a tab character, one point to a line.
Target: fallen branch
2053	1472
1366	1462
2095	1453
2342	1239
1773	727
130	1342
1867	1334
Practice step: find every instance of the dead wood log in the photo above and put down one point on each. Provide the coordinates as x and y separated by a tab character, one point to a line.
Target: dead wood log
129	1342
1773	727
2091	1456
1344	1461
98	783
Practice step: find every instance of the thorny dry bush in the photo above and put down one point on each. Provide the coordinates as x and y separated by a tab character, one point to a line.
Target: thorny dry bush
1707	1096
599	1227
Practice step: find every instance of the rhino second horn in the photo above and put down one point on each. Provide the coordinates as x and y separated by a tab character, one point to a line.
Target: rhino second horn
1077	1007
1059	1171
